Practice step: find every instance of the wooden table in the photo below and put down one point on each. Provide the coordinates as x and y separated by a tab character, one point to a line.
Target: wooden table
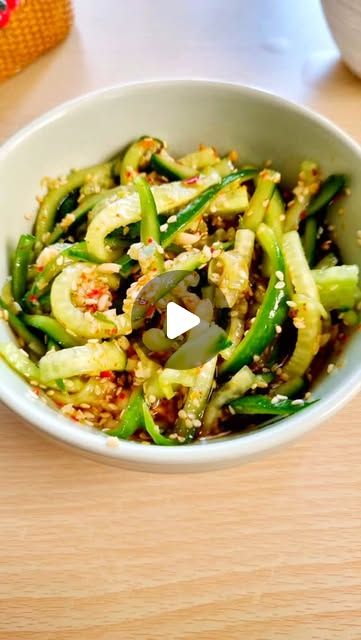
267	551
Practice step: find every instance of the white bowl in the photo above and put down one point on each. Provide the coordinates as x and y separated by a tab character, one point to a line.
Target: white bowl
260	126
344	19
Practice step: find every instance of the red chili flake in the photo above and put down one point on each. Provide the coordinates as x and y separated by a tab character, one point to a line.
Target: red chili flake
121	395
107	374
314	171
39	268
93	293
150	240
147	143
36	390
33	299
150	311
4	17
303	214
191	180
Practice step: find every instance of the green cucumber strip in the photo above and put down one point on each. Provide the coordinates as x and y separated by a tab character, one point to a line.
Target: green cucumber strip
337	286
262	405
309	240
260	200
22	260
132	417
329	189
196	207
137	157
166	166
89	359
153	430
51	328
200	349
33	342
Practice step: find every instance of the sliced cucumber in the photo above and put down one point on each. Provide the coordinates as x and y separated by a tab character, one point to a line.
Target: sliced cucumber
164	164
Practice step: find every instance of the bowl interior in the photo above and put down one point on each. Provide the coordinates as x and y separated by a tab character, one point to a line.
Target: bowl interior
185	113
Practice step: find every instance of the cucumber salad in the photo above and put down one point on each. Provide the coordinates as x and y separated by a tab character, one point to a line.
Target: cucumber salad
258	264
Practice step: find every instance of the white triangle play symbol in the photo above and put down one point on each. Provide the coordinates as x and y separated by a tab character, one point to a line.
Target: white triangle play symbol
179	320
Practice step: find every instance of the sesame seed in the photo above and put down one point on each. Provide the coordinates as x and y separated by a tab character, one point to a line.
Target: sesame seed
330	367
172	219
164	227
256	358
280	275
291	303
278	398
326	245
299	323
280	285
232	411
265	203
182	414
298	402
348	191
262	384
109	267
278	329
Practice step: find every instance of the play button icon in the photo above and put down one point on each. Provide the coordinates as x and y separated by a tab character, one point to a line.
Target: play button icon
165	314
179	320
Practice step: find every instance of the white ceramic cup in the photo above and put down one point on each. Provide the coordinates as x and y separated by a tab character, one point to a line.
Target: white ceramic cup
344	19
185	113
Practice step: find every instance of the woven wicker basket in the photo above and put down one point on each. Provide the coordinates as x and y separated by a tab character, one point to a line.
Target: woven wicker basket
34	27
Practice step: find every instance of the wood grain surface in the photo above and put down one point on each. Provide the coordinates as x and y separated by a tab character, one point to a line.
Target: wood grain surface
267	551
